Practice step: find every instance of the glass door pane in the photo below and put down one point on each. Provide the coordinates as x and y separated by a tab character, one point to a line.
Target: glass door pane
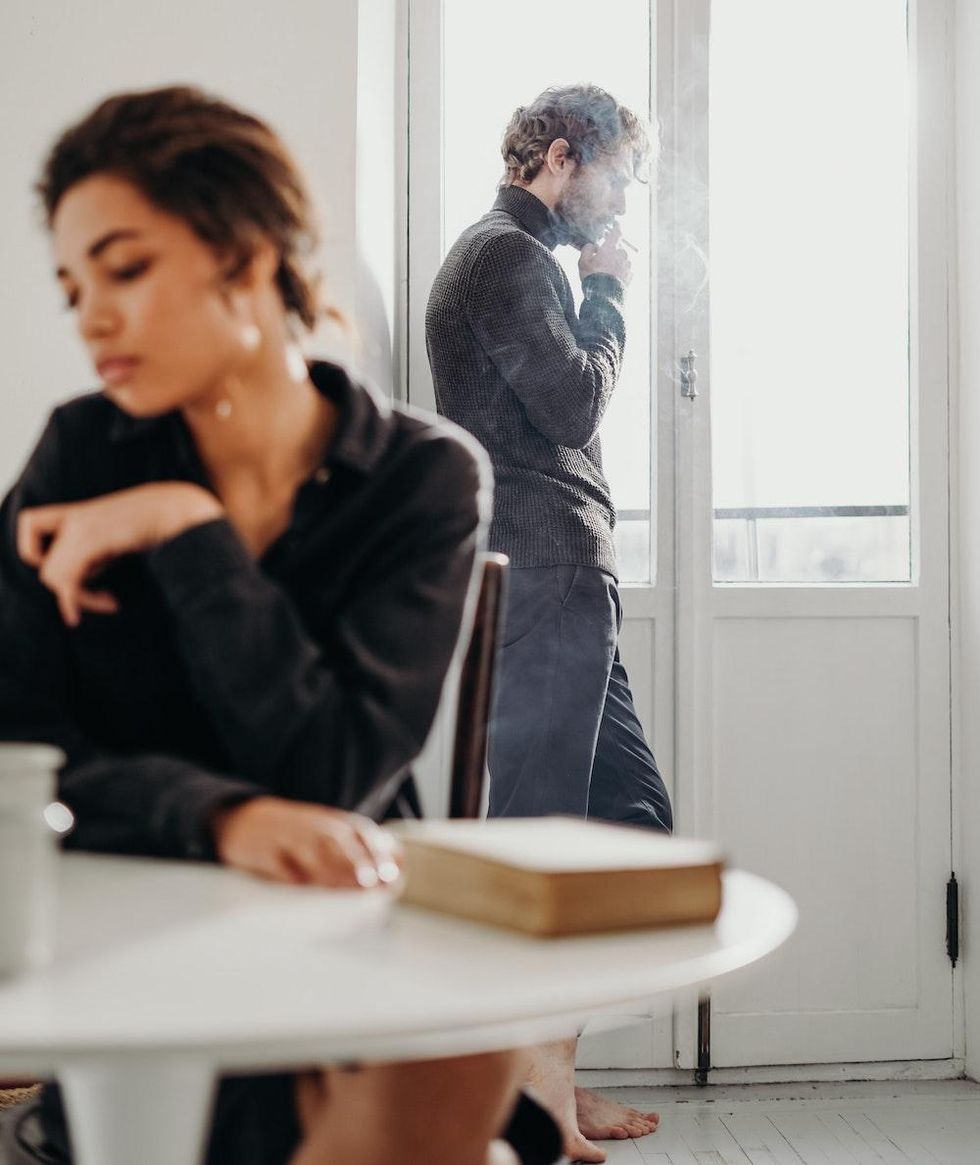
809	243
497	58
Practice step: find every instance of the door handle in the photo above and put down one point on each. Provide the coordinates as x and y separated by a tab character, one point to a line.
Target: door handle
689	376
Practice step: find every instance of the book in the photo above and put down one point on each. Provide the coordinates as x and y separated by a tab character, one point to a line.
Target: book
559	875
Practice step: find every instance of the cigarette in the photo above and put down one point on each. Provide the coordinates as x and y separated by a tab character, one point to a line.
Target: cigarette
632	246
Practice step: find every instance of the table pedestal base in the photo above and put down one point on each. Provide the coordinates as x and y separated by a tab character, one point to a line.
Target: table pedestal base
145	1110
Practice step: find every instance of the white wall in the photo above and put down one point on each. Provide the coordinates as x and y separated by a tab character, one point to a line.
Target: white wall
967	426
293	62
382	131
329	75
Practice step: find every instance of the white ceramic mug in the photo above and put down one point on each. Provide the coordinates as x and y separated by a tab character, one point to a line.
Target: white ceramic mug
28	846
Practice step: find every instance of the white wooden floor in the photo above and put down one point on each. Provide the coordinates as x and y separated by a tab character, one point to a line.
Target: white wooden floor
922	1122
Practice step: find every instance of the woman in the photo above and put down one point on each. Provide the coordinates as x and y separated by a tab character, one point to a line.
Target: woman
231	582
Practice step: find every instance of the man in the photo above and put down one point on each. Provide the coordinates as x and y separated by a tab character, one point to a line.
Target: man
513	362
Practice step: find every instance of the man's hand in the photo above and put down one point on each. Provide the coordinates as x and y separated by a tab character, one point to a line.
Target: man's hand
608	257
70	543
295	841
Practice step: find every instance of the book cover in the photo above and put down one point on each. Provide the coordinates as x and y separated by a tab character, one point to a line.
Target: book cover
560	875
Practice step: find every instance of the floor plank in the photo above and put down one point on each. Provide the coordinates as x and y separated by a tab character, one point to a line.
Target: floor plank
703	1134
761	1140
883	1145
845	1135
927	1122
937	1134
816	1141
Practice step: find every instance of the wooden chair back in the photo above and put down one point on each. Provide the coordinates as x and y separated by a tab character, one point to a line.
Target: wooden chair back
476	691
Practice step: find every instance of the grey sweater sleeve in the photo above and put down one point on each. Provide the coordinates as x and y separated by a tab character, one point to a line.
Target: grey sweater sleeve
563	369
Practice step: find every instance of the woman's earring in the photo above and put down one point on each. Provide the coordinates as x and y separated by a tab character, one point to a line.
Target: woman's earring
296	363
251	337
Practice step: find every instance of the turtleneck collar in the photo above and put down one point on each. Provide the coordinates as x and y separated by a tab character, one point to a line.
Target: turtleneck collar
532	214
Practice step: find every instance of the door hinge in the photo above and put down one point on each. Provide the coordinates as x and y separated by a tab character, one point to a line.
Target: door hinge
953	919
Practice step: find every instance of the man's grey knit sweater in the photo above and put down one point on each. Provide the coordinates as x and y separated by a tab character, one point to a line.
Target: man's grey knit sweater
514	364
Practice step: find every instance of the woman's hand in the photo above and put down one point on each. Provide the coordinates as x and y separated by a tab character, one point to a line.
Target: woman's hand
70	543
295	841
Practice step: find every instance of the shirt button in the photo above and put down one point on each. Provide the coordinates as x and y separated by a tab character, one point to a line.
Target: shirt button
322	475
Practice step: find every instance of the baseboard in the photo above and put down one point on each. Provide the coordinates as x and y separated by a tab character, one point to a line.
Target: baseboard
777	1074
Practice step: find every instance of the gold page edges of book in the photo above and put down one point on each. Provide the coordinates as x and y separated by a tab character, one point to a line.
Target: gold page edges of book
555	876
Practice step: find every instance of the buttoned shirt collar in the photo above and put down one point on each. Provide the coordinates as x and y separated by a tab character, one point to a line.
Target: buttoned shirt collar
363	429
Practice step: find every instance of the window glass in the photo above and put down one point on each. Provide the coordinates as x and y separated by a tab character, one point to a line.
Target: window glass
498	57
809	276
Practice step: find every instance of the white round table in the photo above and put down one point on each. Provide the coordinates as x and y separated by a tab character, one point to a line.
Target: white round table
169	973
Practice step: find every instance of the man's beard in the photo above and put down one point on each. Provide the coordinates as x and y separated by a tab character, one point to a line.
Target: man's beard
570	232
570	229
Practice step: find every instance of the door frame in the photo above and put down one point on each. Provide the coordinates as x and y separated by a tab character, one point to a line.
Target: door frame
927	598
683	594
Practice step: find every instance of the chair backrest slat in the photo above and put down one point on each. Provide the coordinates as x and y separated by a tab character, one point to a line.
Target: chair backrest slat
476	691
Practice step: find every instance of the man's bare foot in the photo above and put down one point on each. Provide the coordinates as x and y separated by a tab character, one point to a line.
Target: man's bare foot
577	1148
552	1082
608	1120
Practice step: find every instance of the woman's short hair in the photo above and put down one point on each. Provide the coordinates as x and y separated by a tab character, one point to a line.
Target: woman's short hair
587	117
221	170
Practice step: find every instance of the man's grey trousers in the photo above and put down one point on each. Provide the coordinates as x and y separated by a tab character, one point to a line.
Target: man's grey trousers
564	735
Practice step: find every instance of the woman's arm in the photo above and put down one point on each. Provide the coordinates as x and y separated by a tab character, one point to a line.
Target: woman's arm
331	722
135	804
149	803
157	804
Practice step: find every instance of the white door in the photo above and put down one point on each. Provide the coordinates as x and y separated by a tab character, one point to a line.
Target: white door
782	535
813	641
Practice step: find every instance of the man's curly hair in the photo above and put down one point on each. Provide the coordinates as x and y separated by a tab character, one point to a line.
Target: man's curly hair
587	117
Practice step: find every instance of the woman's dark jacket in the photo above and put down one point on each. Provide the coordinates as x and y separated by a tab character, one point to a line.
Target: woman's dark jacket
313	673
